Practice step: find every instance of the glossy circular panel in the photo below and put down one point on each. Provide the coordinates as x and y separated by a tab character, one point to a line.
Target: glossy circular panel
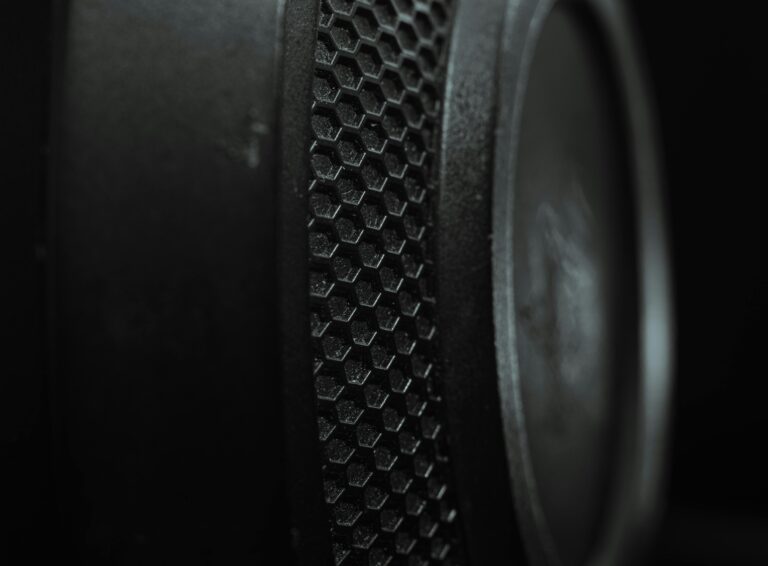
574	290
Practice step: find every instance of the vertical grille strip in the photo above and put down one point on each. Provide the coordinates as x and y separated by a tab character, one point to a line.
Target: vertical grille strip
378	83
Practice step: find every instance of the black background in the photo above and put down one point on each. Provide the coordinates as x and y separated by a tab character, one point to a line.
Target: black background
707	63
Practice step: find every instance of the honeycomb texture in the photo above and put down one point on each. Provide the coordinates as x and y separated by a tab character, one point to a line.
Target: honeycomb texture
379	67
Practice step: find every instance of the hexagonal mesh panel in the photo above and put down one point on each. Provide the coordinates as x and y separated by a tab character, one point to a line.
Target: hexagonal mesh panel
375	115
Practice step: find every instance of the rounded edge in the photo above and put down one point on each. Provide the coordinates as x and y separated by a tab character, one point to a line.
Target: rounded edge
634	502
308	519
464	286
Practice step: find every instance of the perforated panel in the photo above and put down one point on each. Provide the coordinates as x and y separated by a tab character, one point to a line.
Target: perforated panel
379	69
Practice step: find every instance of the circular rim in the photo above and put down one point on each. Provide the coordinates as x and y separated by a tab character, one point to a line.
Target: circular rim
634	500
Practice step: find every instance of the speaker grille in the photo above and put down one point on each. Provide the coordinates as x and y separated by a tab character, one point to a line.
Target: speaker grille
378	81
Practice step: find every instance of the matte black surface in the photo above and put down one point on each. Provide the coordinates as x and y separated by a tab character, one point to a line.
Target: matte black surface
27	508
166	392
467	341
309	522
707	63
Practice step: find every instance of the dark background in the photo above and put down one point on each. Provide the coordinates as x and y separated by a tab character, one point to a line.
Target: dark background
707	63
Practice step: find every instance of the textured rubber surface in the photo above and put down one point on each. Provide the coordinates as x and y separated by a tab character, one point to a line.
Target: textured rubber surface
379	67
